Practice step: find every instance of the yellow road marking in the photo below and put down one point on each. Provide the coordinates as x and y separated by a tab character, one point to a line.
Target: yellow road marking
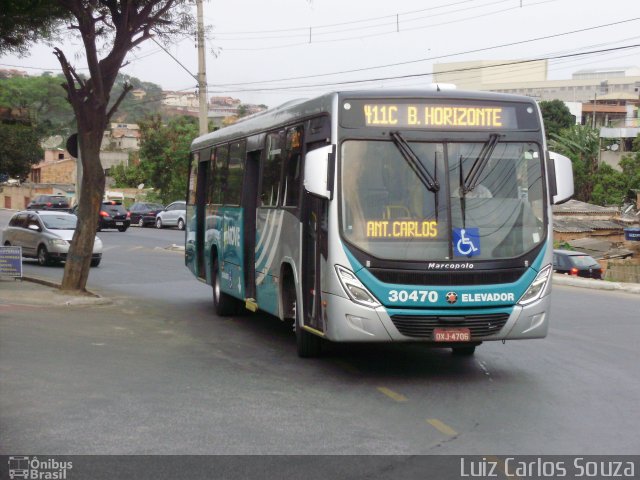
393	395
442	427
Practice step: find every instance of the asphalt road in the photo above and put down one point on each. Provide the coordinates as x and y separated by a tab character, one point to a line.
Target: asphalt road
157	372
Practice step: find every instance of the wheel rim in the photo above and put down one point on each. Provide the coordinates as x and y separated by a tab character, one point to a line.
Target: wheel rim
180	224
140	222
158	223
42	256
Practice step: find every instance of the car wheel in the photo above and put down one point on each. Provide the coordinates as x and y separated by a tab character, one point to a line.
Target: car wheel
122	229
7	244
463	351
141	222
223	303
180	224
158	223
95	262
43	256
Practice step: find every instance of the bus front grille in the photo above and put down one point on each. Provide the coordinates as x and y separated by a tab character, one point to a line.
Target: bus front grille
421	326
457	278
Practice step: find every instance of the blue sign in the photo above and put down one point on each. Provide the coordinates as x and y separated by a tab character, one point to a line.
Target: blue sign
466	242
10	261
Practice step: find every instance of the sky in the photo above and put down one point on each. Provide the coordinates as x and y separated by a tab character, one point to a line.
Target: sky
269	52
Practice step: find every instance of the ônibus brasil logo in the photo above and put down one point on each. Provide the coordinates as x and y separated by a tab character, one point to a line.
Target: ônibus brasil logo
36	469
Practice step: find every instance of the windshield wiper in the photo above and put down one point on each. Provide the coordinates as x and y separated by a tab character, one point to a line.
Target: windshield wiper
414	162
471	180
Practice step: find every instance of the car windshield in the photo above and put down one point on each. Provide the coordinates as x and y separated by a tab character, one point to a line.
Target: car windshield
59	222
388	212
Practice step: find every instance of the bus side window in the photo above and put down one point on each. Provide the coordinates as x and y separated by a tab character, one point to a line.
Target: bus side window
220	170
292	167
271	171
235	171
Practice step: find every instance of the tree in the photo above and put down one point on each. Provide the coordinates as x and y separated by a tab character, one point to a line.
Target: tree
23	22
557	117
45	99
581	144
164	155
19	149
112	28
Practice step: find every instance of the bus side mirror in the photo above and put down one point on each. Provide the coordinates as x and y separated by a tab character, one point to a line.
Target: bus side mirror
560	178
318	171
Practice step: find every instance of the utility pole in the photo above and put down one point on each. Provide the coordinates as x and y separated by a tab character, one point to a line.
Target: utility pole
202	72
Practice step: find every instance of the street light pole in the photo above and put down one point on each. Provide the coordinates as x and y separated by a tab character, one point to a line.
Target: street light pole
202	72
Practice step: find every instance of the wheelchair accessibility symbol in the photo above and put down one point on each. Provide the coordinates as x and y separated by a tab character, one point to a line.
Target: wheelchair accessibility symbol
466	242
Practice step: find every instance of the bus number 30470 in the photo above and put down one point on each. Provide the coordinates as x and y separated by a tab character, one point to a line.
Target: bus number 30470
413	295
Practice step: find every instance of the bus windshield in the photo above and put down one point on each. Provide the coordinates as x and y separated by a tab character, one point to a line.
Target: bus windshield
390	213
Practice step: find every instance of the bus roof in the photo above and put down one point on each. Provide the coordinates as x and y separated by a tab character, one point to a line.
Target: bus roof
296	110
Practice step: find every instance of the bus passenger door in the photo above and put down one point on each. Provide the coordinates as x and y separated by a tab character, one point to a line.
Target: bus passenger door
202	189
250	201
313	250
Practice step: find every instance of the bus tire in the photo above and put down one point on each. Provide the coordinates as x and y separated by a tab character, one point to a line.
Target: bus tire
308	345
463	351
223	304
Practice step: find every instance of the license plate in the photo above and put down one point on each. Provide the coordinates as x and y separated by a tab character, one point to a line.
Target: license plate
452	334
119	224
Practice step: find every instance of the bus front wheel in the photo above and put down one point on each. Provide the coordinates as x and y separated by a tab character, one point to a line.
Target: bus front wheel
223	303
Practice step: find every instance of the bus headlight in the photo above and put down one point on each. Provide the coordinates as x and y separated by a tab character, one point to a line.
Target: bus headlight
354	288
537	286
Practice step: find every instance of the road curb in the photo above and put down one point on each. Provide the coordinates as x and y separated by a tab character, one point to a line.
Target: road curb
559	279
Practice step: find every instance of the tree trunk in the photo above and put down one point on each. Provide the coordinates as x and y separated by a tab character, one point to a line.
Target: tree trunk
76	270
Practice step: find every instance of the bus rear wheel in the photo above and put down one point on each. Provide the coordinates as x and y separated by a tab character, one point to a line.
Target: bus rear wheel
223	303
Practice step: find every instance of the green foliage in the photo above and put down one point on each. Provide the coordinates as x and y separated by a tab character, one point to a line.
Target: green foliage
23	22
636	144
164	155
132	109
557	117
609	186
19	149
45	99
581	144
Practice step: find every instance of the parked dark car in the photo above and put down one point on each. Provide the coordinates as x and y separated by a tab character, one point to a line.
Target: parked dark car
113	215
49	202
576	263
144	213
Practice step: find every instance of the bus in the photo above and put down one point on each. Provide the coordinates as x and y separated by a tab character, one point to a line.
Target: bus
381	216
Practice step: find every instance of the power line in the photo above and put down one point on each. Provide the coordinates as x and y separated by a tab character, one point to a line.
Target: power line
408	62
414	75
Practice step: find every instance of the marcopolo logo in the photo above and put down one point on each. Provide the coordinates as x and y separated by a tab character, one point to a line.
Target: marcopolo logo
38	469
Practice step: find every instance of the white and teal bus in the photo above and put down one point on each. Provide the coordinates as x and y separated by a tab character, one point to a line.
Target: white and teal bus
381	216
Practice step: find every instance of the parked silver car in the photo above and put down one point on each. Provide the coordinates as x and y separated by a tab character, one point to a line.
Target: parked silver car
173	216
45	235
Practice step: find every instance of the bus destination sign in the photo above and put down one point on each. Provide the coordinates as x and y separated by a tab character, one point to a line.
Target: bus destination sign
437	115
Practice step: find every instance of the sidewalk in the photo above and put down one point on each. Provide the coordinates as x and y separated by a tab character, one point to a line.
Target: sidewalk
35	291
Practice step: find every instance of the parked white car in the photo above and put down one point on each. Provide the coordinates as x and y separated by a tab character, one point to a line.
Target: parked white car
45	235
173	215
